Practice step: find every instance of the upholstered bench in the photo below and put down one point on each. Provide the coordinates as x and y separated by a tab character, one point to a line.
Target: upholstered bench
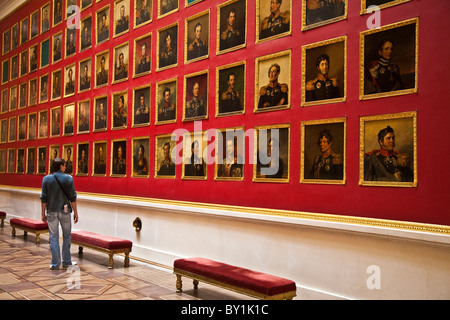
2	218
102	243
252	283
29	225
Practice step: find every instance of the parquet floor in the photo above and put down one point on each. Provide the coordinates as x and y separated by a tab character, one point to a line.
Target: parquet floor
25	275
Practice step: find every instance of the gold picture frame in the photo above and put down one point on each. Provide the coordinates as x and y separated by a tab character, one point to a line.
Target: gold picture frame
165	147
230	154
315	16
167	47
365	4
273	25
82	162
195	96
197	34
140	110
231	26
140	157
99	156
166	111
230	89
119	163
194	167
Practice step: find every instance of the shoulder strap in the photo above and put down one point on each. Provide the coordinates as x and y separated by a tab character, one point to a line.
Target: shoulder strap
61	187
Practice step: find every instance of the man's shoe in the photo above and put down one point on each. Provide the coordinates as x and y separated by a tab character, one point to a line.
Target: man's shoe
65	266
54	267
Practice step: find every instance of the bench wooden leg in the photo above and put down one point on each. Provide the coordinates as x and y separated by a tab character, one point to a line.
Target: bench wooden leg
111	260
2	223
127	259
80	250
13	231
195	282
38	238
179	283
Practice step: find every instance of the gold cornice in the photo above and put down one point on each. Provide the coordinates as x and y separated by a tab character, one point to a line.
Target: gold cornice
383	223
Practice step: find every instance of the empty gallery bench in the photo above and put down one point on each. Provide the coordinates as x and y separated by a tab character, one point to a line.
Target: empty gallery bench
29	225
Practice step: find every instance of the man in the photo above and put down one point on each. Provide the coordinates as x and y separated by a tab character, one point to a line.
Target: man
277	23
57	50
86	40
166	166
322	10
56	90
58	207
120	163
197	47
70	85
141	162
103	32
386	164
121	71
322	87
82	162
328	165
142	114
275	93
83	120
144	62
195	107
70	47
166	109
69	163
100	117
382	75
102	75
122	24
100	163
230	98
230	37
68	126
85	80
231	166
120	115
143	13
194	165
169	54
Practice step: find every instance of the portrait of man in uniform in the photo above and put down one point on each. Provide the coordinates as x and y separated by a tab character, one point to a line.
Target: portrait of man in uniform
69	80
274	19
56	85
57	12
103	23
121	17
142	55
167	6
42	160
86	33
34	29
196	101
167	48
45	18
230	154
165	166
197	35
43	124
2	161
119	158
101	68
141	154
120	110
55	121
232	22
84	82
101	113
194	164
143	12
320	12
69	119
141	110
6	41
33	58
84	116
32	95
24	25
32	126
167	101
57	47
121	63
31	160
43	94
99	158
82	159
231	89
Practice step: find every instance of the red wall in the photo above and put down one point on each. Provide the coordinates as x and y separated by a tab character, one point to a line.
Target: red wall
425	203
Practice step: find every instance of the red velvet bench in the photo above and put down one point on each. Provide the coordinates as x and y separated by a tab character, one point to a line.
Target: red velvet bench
245	281
102	243
2	218
28	225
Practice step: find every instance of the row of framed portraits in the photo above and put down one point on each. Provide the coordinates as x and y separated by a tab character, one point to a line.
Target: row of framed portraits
386	70
388	155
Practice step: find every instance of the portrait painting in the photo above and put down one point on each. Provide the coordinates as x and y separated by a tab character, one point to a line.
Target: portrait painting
86	33
68	157
82	159
6	41
230	154
24	27
71	41
57	47
167	7
272	153
143	12
3	160
31	160
57	12
69	80
323	150
121	17
230	95
43	124
121	63
71	7
32	126
20	166
33	93
389	59
12	129
101	113
11	160
119	158
53	154
388	150
13	98
231	24
103	25
45	53
99	158
21	128
273	19
5	71
33	56
101	68
195	145
84	116
381	4
167	55
119	116
69	119
56	85
3	130
142	55
197	37
84	81
43	88
23	63
5	104
141	106
272	80
86	3
34	28
195	96
316	13
165	167
55	122
324	72
166	101
14	36
42	160
14	65
140	157
23	95
45	17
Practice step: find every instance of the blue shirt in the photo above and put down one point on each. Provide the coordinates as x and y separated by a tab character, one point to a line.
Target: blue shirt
52	194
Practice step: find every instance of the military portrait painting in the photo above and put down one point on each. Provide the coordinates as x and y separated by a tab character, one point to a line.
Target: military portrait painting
86	33
101	113
84	116
54	153
31	161
57	47
140	157
142	55
68	157
102	68
69	119
164	161
43	124
119	158
57	12
69	80
230	154
167	55
273	19
324	72
14	68
42	160
6	41
166	101
388	155
82	161
32	125
34	28
24	26
121	17
3	160
365	4
56	85
316	13
143	12
55	121
119	114
121	63
84	74
141	106
196	96
33	58
20	158
103	25
166	7
32	94
197	37
43	88
195	146
99	158
231	24
45	18
323	151
230	96
389	57
3	130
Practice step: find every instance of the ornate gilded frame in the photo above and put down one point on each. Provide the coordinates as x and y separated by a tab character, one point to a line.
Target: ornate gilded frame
117	50
306	27
202	138
160	38
389	3
239	134
189	30
79	113
38	156
135	56
132	110
160	140
70	107
259	11
115	144
172	83
52	112
220	9
242	95
87	155
205	95
135	141
95	147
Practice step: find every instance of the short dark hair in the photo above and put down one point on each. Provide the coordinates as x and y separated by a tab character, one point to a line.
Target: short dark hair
57	163
384	132
321	58
327	134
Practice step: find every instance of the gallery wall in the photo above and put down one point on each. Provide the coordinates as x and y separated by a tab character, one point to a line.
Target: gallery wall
416	111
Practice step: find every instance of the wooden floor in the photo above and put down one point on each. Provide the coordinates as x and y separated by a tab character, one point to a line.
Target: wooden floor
25	275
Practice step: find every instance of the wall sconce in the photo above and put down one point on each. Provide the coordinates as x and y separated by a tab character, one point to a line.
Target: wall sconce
137	224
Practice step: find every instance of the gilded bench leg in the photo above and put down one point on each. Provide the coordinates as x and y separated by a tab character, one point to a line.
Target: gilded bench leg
127	259
38	238
195	282
111	260
179	283
13	231
2	223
